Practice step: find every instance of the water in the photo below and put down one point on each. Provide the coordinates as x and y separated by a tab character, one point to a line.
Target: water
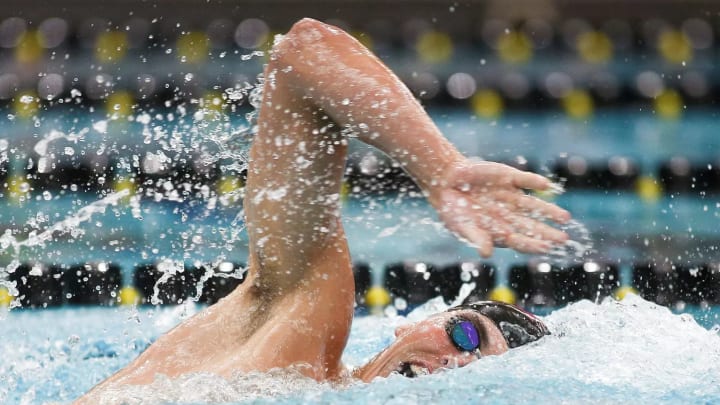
612	352
608	353
577	248
159	142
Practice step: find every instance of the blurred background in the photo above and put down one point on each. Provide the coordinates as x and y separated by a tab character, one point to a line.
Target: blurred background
125	125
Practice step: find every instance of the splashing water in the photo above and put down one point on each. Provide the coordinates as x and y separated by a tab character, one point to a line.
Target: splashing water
210	388
578	247
70	224
9	243
207	138
579	244
556	188
41	147
609	352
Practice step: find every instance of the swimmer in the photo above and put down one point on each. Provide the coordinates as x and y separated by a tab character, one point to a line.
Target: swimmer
296	305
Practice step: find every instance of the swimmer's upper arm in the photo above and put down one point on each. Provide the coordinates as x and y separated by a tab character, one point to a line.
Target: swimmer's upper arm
332	70
293	188
320	80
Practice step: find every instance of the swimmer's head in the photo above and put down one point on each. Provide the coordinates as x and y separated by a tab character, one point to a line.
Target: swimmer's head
455	338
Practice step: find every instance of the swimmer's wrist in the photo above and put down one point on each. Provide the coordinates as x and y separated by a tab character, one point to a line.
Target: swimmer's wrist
442	172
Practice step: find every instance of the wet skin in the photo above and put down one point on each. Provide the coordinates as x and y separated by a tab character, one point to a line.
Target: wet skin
426	347
297	302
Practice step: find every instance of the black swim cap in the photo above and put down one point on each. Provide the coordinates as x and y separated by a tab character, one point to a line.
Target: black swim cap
517	326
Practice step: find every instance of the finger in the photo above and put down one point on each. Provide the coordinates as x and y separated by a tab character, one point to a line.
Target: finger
473	235
530	181
501	220
488	174
534	205
525	244
479	238
538	230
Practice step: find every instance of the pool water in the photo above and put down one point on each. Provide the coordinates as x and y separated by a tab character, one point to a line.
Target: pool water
598	353
128	235
607	352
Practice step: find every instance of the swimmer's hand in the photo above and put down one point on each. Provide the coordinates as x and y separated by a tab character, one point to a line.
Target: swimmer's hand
484	203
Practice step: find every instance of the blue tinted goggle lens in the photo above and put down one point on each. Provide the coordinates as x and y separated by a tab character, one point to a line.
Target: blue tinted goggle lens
465	336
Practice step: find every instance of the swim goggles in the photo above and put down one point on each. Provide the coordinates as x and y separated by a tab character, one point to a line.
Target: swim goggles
517	326
463	334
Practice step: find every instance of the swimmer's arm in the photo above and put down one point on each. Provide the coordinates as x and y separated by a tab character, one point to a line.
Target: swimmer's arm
338	74
483	203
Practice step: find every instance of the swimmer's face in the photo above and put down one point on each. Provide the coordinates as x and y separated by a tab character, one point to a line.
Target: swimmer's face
426	347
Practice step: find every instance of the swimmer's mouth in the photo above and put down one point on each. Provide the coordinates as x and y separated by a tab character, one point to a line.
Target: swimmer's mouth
412	370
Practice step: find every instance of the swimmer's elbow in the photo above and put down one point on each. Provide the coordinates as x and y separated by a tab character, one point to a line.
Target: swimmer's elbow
304	34
310	29
306	24
303	46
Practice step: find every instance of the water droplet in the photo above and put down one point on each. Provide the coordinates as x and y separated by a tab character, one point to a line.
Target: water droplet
73	339
100	126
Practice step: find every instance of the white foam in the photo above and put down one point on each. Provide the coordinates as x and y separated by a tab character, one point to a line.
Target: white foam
211	388
612	352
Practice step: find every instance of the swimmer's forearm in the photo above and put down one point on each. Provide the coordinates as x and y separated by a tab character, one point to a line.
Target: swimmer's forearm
335	72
